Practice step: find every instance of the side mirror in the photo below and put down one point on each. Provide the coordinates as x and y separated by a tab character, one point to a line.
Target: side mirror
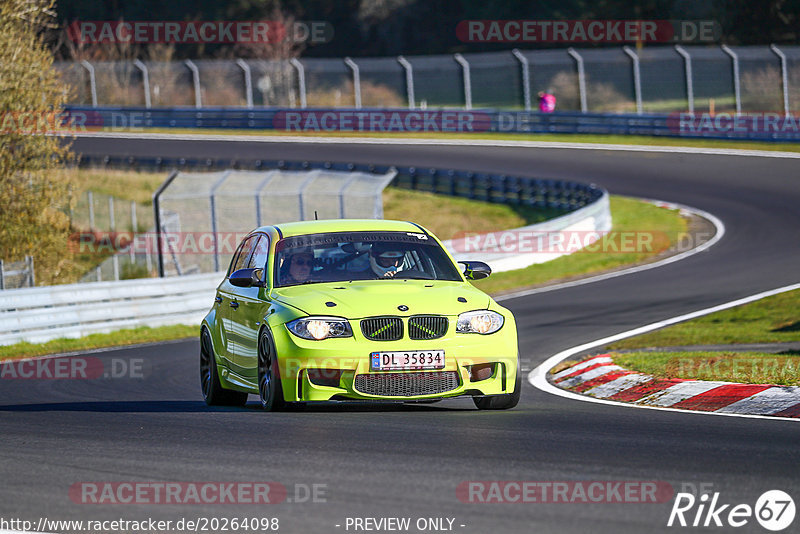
247	278
476	270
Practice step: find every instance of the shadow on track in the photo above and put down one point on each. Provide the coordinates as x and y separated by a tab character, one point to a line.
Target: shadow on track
199	407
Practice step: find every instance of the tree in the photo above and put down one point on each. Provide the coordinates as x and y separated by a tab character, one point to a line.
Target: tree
32	196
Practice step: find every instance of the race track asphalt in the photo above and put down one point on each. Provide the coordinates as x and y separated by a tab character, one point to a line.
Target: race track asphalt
389	461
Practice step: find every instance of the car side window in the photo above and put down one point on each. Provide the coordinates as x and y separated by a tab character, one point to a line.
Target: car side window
258	260
235	258
244	253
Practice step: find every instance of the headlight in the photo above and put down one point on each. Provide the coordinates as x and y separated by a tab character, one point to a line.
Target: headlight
479	322
318	328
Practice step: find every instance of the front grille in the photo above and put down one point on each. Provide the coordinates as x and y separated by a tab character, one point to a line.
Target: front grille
427	326
407	384
382	328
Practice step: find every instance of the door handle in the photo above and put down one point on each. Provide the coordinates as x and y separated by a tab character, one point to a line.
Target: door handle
218	299
234	304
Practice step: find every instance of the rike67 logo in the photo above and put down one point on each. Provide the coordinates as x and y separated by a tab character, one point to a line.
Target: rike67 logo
774	510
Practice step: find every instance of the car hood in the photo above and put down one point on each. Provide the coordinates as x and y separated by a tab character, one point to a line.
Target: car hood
358	299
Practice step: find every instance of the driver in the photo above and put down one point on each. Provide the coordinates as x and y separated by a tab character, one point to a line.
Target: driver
385	260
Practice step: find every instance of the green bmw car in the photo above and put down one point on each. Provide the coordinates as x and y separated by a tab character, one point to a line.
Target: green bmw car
369	310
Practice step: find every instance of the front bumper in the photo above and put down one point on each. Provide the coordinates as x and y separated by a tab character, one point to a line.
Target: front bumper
348	361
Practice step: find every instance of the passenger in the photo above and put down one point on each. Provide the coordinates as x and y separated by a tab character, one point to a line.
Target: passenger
296	268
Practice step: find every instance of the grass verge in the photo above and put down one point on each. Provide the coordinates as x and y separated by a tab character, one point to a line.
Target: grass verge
130	336
447	216
770	320
630	217
434	214
742	367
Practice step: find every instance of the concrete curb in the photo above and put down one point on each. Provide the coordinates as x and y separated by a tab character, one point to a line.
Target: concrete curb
600	378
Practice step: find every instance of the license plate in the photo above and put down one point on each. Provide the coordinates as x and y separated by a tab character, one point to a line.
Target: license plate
410	359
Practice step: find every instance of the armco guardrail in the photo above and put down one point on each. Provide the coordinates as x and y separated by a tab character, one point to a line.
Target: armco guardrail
521	247
40	314
754	127
43	313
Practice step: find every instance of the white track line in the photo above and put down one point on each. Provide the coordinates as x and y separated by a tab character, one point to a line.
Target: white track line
538	377
441	142
719	233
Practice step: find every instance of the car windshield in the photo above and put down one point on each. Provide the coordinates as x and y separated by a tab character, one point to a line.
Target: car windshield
347	256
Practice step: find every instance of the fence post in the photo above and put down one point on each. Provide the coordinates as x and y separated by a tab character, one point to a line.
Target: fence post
581	77
735	60
112	227
687	65
2	276
356	80
157	217
467	81
90	197
637	77
301	192
145	80
212	205
301	80
92	81
350	179
198	100
526	78
31	273
784	77
264	182
409	80
134	229
248	81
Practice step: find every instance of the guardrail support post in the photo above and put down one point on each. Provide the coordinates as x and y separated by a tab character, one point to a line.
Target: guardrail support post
467	81
145	80
90	200
198	100
112	227
157	217
526	78
134	225
92	81
356	80
687	66
212	205
736	93
409	80
248	81
581	77
301	80
637	77
784	77
31	273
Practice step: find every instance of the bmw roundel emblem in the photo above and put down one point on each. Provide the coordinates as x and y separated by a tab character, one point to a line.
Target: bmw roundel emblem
402	307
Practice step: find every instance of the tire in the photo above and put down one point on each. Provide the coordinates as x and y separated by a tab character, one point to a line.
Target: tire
213	392
270	389
502	402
